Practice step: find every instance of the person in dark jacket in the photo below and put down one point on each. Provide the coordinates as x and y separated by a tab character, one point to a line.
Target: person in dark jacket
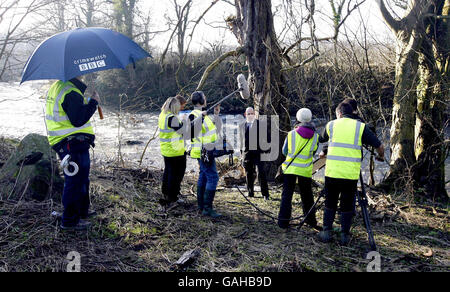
354	104
251	151
299	148
354	115
346	137
68	114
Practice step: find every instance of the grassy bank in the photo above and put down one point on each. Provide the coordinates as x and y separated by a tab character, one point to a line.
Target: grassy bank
132	233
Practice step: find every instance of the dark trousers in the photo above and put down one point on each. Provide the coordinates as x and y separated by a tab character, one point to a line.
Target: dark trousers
343	190
306	194
250	165
76	189
174	170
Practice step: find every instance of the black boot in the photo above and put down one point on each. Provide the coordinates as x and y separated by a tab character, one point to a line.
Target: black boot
250	180
208	202
346	224
311	220
265	193
201	198
328	218
264	188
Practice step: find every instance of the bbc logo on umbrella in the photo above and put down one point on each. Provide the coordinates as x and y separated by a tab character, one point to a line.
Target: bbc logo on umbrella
92	65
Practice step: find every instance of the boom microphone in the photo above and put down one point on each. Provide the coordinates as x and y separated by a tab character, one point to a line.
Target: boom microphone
243	86
244	90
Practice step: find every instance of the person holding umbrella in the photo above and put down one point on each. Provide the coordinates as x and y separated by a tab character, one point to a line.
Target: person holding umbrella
68	114
65	57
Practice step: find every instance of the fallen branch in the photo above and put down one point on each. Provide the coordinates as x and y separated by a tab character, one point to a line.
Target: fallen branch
435	239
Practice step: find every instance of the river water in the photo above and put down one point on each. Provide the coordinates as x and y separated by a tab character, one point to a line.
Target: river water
22	113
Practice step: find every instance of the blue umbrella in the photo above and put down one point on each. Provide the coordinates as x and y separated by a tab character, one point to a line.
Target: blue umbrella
81	51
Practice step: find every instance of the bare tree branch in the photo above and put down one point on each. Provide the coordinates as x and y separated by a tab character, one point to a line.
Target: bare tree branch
191	37
310	59
229	2
235	53
393	23
163	56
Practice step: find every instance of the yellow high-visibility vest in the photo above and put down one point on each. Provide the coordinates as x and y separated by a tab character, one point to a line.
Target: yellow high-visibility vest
344	148
208	135
58	124
171	142
303	163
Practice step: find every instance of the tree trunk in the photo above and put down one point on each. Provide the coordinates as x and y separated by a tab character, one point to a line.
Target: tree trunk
254	29
124	11
403	113
61	5
432	100
90	9
418	147
37	179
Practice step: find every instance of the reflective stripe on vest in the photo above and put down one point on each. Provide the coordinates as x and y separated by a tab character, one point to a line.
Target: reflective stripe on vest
171	142
58	124
57	117
303	163
208	135
68	131
344	150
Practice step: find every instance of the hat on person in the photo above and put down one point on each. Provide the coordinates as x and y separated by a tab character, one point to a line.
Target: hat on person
304	115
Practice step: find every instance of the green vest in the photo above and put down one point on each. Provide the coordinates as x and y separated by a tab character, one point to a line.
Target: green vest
303	163
344	149
58	124
171	142
208	135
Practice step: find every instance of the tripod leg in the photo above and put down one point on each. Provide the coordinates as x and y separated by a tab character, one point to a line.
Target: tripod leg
362	199
313	208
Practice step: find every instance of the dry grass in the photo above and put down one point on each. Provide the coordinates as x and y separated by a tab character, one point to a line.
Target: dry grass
131	233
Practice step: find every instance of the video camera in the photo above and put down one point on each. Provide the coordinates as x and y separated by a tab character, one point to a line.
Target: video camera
208	156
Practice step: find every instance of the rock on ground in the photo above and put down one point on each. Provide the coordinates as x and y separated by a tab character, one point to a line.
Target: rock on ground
32	172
